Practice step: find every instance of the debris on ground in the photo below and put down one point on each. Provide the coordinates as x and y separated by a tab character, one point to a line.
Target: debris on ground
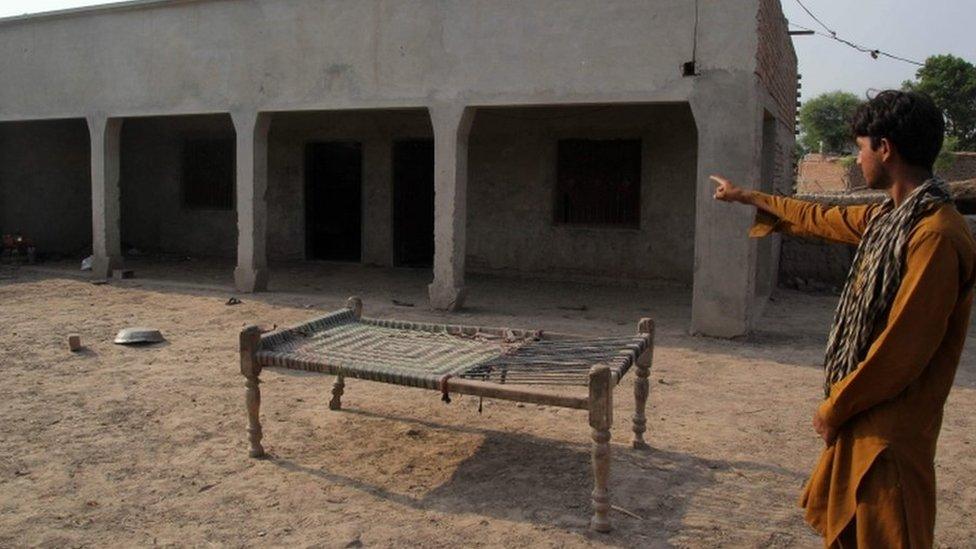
620	509
399	303
233	301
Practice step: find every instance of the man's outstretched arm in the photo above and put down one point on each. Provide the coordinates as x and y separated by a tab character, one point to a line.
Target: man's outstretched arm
798	217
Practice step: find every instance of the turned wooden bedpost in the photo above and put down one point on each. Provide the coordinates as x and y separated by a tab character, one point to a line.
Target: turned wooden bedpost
601	418
337	390
250	340
642	386
355	305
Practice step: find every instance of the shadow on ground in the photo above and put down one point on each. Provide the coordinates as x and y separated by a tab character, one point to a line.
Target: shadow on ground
546	482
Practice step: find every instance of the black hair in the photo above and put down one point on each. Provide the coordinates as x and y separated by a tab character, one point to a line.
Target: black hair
909	120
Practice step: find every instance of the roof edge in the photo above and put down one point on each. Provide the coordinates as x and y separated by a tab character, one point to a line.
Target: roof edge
81	11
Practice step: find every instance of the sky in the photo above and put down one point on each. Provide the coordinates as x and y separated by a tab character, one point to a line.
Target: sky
914	29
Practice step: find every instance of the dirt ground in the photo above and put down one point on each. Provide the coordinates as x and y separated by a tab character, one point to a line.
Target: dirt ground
119	446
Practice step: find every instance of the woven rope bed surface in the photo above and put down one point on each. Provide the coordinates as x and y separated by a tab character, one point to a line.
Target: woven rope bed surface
421	354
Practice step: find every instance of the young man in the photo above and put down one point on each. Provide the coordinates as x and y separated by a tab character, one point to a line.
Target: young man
897	333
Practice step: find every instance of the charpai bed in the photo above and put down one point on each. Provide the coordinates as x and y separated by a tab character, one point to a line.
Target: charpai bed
487	362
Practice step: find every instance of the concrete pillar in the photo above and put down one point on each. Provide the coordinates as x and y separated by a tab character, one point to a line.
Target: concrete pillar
105	135
251	274
452	125
729	120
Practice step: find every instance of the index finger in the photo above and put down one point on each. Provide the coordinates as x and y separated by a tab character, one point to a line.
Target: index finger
719	180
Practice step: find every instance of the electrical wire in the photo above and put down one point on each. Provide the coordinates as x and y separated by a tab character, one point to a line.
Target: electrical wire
815	18
873	52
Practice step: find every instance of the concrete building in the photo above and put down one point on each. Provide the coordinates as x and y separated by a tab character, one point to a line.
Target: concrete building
557	138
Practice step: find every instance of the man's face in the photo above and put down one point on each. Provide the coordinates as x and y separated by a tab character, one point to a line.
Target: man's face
872	163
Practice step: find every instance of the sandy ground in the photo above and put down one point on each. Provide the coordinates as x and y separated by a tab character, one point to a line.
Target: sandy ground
119	446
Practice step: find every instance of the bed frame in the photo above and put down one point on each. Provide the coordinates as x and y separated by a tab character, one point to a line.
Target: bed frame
498	363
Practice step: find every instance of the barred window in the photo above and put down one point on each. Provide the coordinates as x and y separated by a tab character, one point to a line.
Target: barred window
208	174
598	182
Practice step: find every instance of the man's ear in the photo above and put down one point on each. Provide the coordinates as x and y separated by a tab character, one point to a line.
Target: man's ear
886	149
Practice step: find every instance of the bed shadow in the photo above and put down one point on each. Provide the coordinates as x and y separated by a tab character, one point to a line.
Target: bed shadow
545	482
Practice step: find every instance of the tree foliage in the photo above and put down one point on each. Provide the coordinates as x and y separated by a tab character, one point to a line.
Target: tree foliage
827	118
951	82
946	158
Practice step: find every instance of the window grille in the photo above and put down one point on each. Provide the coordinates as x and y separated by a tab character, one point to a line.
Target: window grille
208	174
598	182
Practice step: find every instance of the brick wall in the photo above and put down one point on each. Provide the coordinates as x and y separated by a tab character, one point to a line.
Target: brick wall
808	264
776	60
819	173
962	168
822	173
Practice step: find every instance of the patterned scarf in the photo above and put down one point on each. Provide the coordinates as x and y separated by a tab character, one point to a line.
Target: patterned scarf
874	278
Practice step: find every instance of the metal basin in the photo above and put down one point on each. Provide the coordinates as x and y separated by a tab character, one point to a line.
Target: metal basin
139	336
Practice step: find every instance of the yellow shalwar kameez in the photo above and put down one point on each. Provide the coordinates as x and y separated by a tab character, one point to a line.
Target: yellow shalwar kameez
875	486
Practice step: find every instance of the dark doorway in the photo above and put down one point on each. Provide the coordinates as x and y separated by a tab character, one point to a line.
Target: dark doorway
333	201
413	203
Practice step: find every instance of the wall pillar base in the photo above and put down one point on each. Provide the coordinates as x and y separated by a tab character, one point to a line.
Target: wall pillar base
446	297
102	267
249	280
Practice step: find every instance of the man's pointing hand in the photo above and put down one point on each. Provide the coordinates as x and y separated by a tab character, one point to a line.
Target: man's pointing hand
727	192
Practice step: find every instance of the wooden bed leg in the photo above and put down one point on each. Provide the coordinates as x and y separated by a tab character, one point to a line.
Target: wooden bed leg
601	418
250	340
642	386
337	390
355	305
